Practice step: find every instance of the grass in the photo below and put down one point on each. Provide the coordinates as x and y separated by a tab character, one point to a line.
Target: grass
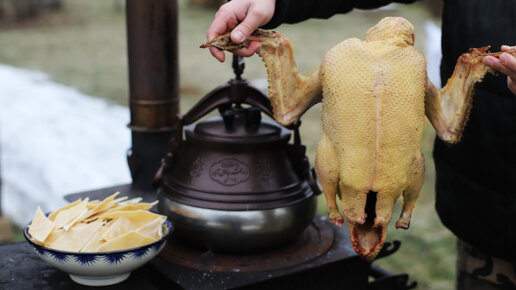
85	46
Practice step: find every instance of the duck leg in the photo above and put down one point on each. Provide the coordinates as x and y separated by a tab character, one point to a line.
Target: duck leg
327	169
411	193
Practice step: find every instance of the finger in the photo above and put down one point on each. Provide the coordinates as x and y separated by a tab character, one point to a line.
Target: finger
250	49
511	84
492	62
218	54
506	47
257	15
496	64
217	27
225	20
510	64
246	27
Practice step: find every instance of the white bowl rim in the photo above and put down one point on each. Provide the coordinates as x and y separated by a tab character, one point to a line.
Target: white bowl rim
167	223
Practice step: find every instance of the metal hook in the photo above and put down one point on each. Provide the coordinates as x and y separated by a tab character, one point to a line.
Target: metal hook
238	66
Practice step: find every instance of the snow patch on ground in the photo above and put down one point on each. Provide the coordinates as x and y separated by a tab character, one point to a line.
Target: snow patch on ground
433	52
55	141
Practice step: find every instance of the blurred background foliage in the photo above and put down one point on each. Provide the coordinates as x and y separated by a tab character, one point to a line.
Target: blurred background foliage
82	43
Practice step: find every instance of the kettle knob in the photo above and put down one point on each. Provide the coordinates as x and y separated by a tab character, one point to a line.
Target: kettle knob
228	116
253	116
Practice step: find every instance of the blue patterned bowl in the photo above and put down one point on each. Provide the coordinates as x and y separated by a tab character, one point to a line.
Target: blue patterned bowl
100	268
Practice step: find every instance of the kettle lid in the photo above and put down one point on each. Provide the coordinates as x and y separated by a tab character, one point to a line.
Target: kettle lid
238	125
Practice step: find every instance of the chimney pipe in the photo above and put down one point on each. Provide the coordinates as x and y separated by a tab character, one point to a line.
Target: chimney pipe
153	84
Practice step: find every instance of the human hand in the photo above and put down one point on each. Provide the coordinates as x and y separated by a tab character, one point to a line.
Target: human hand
505	64
241	18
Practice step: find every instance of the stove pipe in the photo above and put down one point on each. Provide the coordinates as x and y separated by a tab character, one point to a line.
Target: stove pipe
153	84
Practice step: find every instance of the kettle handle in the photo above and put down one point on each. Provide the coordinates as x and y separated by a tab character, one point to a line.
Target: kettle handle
234	91
237	91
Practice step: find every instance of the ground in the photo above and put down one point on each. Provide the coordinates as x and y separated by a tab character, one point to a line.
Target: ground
84	46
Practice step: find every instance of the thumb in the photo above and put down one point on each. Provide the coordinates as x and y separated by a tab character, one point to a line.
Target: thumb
254	19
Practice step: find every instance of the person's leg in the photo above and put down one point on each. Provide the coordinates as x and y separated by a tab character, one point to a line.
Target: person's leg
477	270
